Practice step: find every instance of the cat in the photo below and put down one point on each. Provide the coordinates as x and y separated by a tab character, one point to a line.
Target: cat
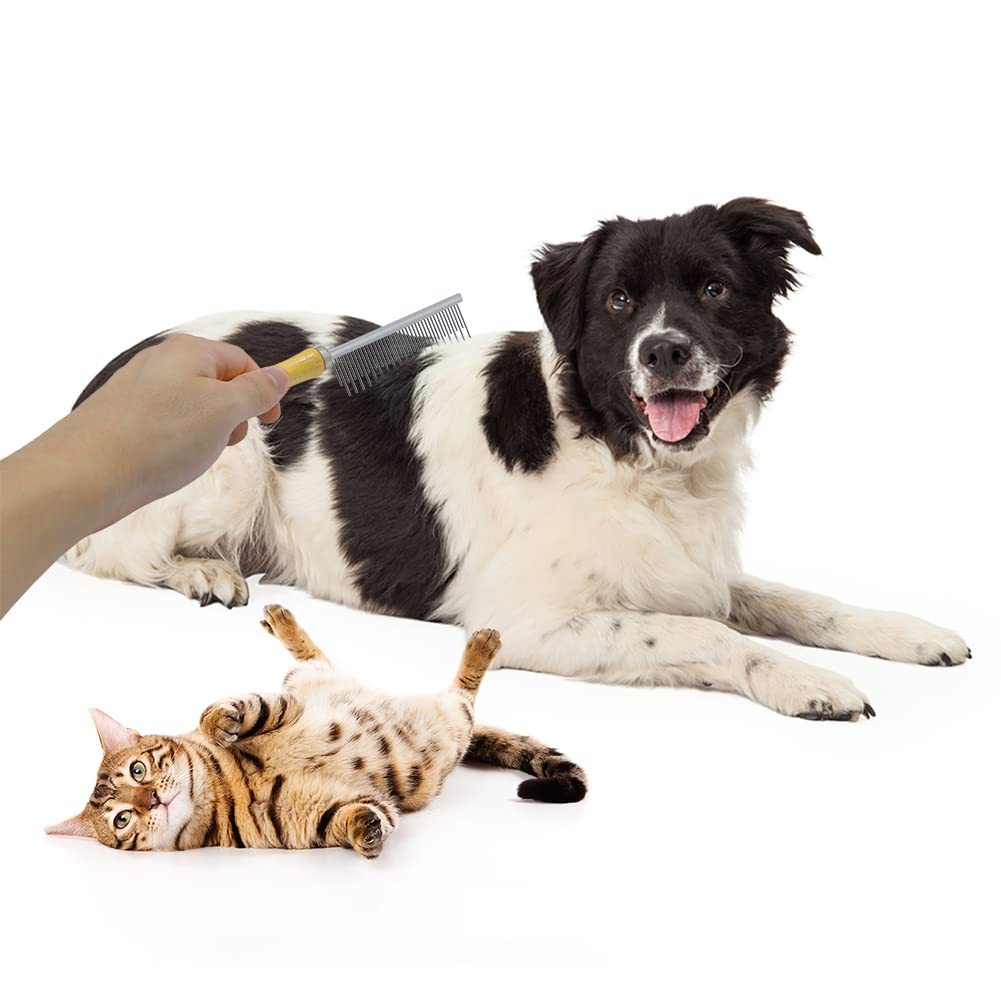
326	763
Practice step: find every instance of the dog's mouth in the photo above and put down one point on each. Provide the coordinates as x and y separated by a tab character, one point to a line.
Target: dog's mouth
680	416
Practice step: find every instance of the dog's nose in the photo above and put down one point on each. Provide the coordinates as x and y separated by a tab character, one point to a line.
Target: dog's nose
665	353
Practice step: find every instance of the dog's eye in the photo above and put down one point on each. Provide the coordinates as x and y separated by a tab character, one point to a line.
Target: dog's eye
715	290
619	301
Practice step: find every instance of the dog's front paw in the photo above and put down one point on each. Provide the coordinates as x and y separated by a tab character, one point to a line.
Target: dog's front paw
895	636
221	722
797	689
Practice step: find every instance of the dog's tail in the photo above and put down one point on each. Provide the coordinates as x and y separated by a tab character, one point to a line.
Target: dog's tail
557	779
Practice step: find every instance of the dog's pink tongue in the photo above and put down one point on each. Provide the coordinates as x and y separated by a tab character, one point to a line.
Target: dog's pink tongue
673	415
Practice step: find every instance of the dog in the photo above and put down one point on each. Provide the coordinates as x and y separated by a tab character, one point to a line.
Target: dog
576	487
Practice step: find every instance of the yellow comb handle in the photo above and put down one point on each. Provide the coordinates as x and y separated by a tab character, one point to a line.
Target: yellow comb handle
305	365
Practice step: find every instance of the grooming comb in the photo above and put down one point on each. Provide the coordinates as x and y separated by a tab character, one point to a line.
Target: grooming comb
360	363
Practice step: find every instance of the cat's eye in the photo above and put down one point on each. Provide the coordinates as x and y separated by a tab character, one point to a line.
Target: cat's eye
122	820
138	771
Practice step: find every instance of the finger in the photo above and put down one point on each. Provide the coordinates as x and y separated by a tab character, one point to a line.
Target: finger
239	433
257	392
213	359
271	417
229	361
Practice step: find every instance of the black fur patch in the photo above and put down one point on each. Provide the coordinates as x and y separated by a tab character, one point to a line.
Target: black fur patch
273	815
391	534
415	777
114	365
324	822
269	342
518	420
262	716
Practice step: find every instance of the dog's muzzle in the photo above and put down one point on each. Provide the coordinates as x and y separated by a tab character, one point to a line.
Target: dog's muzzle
673	384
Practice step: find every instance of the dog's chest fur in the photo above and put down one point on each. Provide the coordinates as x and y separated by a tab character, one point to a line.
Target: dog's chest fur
586	530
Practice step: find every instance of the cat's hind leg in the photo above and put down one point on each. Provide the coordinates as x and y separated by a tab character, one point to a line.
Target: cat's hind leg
459	701
282	624
479	654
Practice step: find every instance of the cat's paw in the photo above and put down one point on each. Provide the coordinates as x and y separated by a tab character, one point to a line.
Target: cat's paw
366	831
279	621
484	643
221	722
796	689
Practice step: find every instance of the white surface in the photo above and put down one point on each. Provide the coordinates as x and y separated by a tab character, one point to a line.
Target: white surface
161	164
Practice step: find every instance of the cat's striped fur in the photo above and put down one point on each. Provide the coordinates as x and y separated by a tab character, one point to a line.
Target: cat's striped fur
325	763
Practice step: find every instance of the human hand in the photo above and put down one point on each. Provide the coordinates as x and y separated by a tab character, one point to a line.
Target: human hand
157	424
165	417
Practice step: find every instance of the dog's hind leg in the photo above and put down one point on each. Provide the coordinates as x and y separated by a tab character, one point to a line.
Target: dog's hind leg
764	609
143	549
190	541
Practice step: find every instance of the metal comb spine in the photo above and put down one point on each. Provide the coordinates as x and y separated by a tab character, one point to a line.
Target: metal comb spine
358	363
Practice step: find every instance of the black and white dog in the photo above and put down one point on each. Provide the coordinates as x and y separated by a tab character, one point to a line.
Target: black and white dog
574	488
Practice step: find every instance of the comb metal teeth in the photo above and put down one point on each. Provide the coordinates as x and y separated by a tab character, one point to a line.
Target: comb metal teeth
359	364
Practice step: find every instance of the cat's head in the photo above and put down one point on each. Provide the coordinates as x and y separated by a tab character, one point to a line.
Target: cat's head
144	796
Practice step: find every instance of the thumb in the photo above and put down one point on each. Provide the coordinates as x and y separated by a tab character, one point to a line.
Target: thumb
255	393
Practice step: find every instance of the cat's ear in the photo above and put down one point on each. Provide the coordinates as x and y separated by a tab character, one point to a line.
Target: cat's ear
75	827
113	735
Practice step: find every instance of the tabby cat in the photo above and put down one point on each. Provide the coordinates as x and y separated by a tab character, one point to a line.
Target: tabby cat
328	762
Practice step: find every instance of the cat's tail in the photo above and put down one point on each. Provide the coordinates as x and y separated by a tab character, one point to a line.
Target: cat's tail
557	778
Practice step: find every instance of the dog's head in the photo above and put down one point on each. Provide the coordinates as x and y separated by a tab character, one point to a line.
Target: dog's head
661	322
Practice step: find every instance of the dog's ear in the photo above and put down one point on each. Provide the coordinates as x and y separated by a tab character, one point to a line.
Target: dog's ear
766	232
560	272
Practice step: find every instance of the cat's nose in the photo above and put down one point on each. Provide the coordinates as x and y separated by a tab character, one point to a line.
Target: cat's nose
154	800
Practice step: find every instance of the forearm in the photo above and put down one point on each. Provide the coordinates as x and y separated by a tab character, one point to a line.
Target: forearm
55	491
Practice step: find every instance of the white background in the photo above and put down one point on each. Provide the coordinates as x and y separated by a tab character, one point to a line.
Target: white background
166	161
